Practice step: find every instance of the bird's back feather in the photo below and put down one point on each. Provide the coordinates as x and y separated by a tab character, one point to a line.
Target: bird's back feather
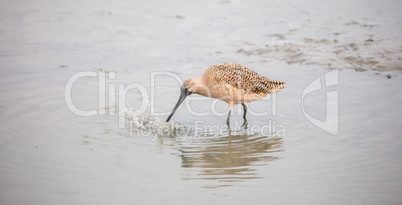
241	77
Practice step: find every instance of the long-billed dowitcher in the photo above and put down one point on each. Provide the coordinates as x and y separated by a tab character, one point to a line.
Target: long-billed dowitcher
232	83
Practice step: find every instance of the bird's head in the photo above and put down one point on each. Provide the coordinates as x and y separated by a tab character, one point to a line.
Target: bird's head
185	90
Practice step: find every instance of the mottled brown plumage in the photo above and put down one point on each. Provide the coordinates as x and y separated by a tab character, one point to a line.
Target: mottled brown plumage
241	77
232	83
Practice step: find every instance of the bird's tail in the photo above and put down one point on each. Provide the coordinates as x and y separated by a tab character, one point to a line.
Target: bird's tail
274	86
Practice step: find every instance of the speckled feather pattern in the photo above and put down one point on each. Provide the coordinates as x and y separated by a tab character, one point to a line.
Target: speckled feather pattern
232	83
241	77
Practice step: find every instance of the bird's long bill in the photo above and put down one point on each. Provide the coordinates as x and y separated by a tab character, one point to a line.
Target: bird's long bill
181	99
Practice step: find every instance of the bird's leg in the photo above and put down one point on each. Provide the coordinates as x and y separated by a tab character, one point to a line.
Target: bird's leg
245	111
227	120
244	116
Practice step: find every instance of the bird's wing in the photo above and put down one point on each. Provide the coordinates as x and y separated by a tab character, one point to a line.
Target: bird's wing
241	77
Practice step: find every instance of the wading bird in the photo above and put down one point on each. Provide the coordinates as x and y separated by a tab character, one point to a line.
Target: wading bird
232	83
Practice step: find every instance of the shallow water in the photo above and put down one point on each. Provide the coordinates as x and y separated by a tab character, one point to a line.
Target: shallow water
51	155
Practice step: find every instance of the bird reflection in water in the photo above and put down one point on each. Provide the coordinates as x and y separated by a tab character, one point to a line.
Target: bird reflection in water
228	159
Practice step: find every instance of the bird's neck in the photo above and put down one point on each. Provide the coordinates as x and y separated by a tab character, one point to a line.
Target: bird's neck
200	88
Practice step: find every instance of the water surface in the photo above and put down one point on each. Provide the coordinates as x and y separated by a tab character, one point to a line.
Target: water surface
51	155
